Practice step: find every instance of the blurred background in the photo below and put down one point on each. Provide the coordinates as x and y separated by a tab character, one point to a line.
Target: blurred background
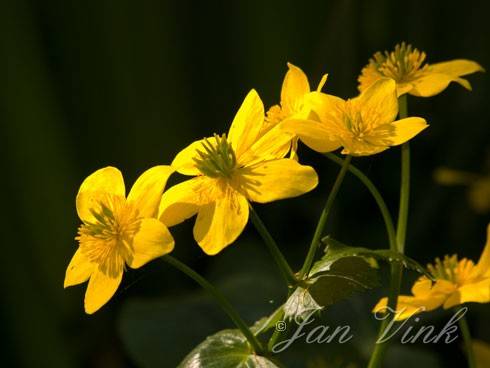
124	83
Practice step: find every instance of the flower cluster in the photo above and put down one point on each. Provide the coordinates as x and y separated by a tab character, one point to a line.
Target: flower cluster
257	160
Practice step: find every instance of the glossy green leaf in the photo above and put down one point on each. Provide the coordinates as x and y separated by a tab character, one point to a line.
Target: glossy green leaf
226	349
344	277
335	250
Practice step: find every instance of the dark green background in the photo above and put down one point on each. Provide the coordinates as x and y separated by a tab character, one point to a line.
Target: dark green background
93	83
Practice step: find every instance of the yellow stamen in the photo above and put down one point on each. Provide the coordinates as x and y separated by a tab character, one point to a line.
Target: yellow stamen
107	240
217	159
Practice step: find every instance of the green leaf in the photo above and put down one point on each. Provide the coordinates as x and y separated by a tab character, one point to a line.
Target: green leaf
300	305
343	277
226	349
335	250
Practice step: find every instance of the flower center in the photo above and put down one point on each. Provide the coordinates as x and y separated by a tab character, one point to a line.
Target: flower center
217	159
451	269
107	240
402	65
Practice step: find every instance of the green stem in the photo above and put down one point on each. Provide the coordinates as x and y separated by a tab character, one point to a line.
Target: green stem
276	253
401	231
323	218
390	228
275	336
380	347
221	299
465	330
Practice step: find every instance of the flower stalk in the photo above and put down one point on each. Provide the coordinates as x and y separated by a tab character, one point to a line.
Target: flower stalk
401	231
220	299
465	331
324	217
274	250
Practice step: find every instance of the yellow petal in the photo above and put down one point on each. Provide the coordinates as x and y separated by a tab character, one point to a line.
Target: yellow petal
184	163
79	269
148	188
272	145
183	200
103	182
431	84
152	240
326	107
219	223
315	135
456	68
277	179
101	288
478	292
402	88
484	261
407	306
422	287
406	129
247	124
294	87
380	100
363	147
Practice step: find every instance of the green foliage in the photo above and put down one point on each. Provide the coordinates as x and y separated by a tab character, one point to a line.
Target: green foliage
345	276
335	250
342	271
226	349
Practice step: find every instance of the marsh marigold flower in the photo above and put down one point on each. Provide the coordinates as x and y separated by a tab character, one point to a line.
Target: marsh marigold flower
457	282
116	231
231	170
364	125
407	66
295	88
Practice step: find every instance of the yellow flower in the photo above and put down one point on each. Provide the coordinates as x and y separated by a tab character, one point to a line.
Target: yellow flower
478	186
362	126
295	88
457	282
116	231
229	171
407	67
